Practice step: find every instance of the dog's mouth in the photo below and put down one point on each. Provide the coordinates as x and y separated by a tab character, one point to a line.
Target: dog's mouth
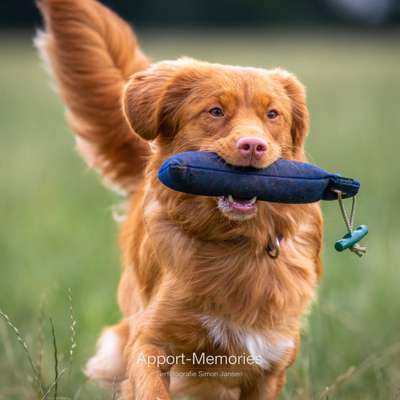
236	208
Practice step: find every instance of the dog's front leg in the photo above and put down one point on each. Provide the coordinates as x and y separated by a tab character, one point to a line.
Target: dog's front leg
147	373
265	387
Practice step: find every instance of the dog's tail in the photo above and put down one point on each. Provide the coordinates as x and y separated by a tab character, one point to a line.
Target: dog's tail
91	53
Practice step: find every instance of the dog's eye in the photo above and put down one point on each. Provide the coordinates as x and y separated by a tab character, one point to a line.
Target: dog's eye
217	112
272	114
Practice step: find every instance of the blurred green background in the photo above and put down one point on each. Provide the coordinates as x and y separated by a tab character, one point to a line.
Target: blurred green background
57	232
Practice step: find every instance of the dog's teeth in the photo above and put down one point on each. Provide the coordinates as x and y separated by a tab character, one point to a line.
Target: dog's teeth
253	200
230	198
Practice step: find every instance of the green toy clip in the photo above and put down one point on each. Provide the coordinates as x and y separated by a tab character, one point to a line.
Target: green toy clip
352	237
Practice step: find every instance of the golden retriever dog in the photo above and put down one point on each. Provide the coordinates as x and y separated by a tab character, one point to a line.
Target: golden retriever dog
212	290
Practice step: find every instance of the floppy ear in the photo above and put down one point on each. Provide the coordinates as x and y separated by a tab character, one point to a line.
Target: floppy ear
152	97
300	115
142	99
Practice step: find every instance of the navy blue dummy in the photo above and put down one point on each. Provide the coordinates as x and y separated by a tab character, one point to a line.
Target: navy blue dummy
284	181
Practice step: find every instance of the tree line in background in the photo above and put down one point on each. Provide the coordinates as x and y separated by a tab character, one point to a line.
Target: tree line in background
247	13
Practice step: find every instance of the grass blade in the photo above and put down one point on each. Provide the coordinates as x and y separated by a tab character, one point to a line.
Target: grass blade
55	353
36	374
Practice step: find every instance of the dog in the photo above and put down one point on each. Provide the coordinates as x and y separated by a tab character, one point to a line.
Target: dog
212	290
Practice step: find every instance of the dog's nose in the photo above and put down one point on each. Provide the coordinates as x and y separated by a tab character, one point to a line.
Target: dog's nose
250	147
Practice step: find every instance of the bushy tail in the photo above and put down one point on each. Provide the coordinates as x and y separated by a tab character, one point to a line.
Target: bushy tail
91	53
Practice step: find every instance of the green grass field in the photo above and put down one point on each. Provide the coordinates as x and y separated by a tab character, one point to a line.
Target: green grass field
57	232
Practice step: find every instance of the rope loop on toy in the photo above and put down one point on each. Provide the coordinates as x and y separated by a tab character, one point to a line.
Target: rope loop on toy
348	220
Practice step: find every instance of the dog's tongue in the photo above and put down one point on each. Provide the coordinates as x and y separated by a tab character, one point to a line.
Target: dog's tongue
242	202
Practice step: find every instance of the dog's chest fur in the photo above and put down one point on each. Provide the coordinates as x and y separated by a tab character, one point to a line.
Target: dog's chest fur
265	348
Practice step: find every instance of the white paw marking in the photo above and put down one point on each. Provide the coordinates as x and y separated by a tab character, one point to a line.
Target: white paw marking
107	364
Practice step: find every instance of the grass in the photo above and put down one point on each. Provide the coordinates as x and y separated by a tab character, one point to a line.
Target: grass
57	232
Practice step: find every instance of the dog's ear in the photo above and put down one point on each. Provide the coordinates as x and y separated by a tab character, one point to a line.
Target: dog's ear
143	97
300	116
152	97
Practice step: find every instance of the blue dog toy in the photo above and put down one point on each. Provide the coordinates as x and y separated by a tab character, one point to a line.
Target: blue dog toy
284	181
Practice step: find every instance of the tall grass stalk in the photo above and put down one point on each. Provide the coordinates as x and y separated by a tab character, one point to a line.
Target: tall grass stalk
35	372
374	360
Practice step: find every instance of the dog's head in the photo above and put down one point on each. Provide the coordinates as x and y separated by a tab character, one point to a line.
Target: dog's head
249	116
